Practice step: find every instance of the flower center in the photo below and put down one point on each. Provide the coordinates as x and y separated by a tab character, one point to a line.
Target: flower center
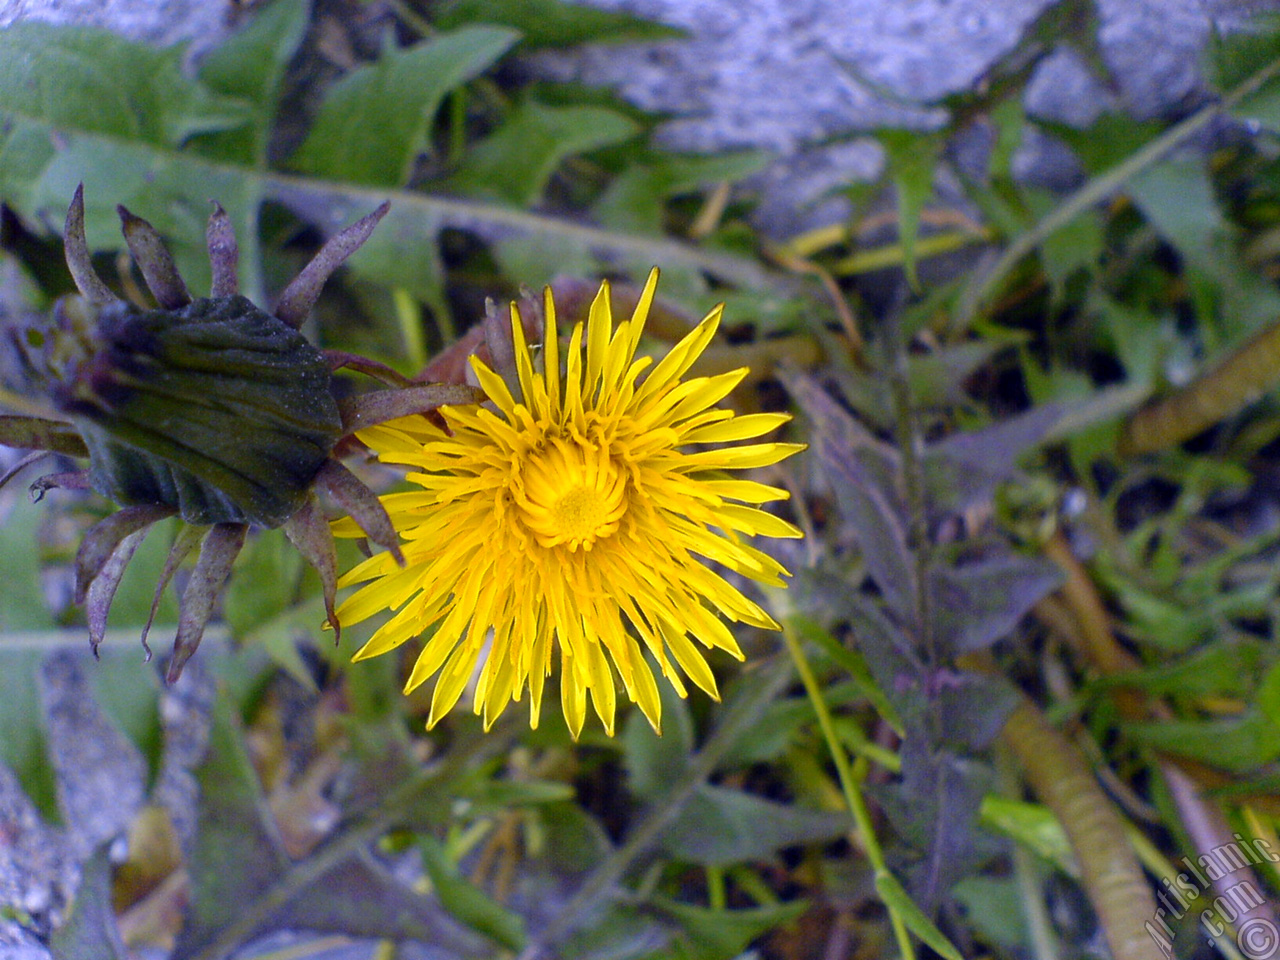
571	494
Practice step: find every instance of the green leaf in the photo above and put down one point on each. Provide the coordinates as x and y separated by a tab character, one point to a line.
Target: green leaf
94	80
656	763
551	23
23	607
1240	744
90	931
238	852
898	900
1034	826
1178	198
374	121
634	199
912	159
129	693
23	746
467	902
719	827
1234	57
516	161
267	574
249	66
854	664
716	934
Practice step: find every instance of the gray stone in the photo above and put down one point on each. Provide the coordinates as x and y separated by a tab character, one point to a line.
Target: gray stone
203	23
101	775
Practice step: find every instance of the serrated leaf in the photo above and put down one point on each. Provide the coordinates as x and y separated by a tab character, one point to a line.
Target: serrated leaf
719	827
515	162
1178	198
90	931
864	475
552	23
911	159
374	121
976	604
964	469
715	934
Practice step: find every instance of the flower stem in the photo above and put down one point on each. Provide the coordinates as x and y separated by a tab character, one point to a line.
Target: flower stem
852	794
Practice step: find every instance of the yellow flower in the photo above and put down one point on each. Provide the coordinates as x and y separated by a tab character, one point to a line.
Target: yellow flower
562	516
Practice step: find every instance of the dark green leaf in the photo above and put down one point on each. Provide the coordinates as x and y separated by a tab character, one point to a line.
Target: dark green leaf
374	121
552	23
656	763
249	66
515	162
716	934
1234	57
719	827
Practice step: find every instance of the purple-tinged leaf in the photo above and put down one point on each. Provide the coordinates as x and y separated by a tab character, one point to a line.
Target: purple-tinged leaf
502	351
154	260
338	359
865	475
221	545
309	532
362	504
224	254
102	589
21	465
74	480
102	539
964	469
378	406
976	604
37	433
186	540
302	292
79	261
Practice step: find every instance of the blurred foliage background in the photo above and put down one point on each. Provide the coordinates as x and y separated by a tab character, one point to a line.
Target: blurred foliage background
1030	656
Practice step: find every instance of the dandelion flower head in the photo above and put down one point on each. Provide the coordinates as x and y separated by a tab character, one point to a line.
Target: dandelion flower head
576	517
